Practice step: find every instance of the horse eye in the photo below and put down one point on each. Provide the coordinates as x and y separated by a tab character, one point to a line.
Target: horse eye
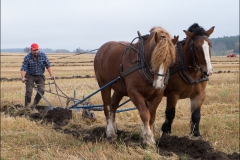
196	47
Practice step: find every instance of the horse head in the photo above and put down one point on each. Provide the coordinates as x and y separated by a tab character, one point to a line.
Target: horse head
163	54
200	46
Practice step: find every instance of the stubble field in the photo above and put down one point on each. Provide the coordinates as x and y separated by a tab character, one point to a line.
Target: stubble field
23	137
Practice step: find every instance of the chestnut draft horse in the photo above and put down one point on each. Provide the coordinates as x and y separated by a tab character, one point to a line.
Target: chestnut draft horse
142	69
189	75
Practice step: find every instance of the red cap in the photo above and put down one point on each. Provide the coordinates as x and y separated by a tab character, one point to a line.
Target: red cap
34	46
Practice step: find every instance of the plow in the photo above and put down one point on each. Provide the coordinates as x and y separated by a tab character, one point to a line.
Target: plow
83	104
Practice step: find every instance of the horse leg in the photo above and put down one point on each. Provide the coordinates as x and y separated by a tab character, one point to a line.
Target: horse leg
152	106
106	97
116	98
169	114
139	102
196	104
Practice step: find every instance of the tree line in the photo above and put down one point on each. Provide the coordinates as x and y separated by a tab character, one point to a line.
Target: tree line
220	46
48	50
224	45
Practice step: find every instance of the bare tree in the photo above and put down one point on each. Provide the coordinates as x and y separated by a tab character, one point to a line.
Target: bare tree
27	50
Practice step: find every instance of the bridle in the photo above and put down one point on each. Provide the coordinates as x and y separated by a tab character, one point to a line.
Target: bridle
183	68
193	55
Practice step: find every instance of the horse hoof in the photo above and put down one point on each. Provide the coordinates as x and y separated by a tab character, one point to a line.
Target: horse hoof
196	134
166	133
150	146
197	138
111	139
111	136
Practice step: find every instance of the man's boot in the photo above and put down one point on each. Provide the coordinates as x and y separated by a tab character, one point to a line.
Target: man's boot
27	102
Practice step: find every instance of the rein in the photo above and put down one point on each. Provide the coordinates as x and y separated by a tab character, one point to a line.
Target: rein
183	68
141	65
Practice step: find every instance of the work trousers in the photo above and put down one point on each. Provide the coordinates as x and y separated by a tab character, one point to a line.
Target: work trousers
39	81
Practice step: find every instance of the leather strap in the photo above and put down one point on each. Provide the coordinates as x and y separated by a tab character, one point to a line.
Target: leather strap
182	68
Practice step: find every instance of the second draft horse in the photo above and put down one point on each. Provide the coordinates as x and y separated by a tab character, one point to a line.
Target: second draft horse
189	75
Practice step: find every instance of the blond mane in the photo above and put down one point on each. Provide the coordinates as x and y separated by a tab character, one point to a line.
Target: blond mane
164	51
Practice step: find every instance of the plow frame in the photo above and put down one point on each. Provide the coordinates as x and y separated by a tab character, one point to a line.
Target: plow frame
98	107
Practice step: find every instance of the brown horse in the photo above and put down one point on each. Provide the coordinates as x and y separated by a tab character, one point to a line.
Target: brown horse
142	69
189	75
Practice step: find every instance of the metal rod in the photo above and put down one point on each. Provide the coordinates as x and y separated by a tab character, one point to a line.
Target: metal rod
90	106
113	81
44	84
124	103
61	95
126	109
42	96
100	108
49	84
74	95
57	93
99	105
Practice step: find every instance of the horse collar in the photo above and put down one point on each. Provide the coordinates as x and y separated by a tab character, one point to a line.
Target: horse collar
142	66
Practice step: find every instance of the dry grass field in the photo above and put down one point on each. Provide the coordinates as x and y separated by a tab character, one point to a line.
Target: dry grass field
22	138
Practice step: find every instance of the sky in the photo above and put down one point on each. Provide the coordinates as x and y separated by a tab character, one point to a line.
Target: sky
88	24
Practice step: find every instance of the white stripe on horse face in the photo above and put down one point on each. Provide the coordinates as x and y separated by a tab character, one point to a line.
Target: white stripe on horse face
158	84
205	47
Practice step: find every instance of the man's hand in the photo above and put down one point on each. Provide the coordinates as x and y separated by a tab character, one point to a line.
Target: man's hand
24	80
52	77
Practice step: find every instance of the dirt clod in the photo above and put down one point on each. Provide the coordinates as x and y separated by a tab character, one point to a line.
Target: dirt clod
59	116
195	149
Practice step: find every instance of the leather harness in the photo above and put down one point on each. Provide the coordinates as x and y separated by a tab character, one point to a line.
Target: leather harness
182	69
142	66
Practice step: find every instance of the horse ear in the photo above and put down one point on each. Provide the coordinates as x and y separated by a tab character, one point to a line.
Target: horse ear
188	34
210	31
175	39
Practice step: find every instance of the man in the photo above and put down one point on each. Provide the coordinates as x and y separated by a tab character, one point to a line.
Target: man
32	71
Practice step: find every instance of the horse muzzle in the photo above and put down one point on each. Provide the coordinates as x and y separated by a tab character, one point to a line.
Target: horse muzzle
158	87
210	72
